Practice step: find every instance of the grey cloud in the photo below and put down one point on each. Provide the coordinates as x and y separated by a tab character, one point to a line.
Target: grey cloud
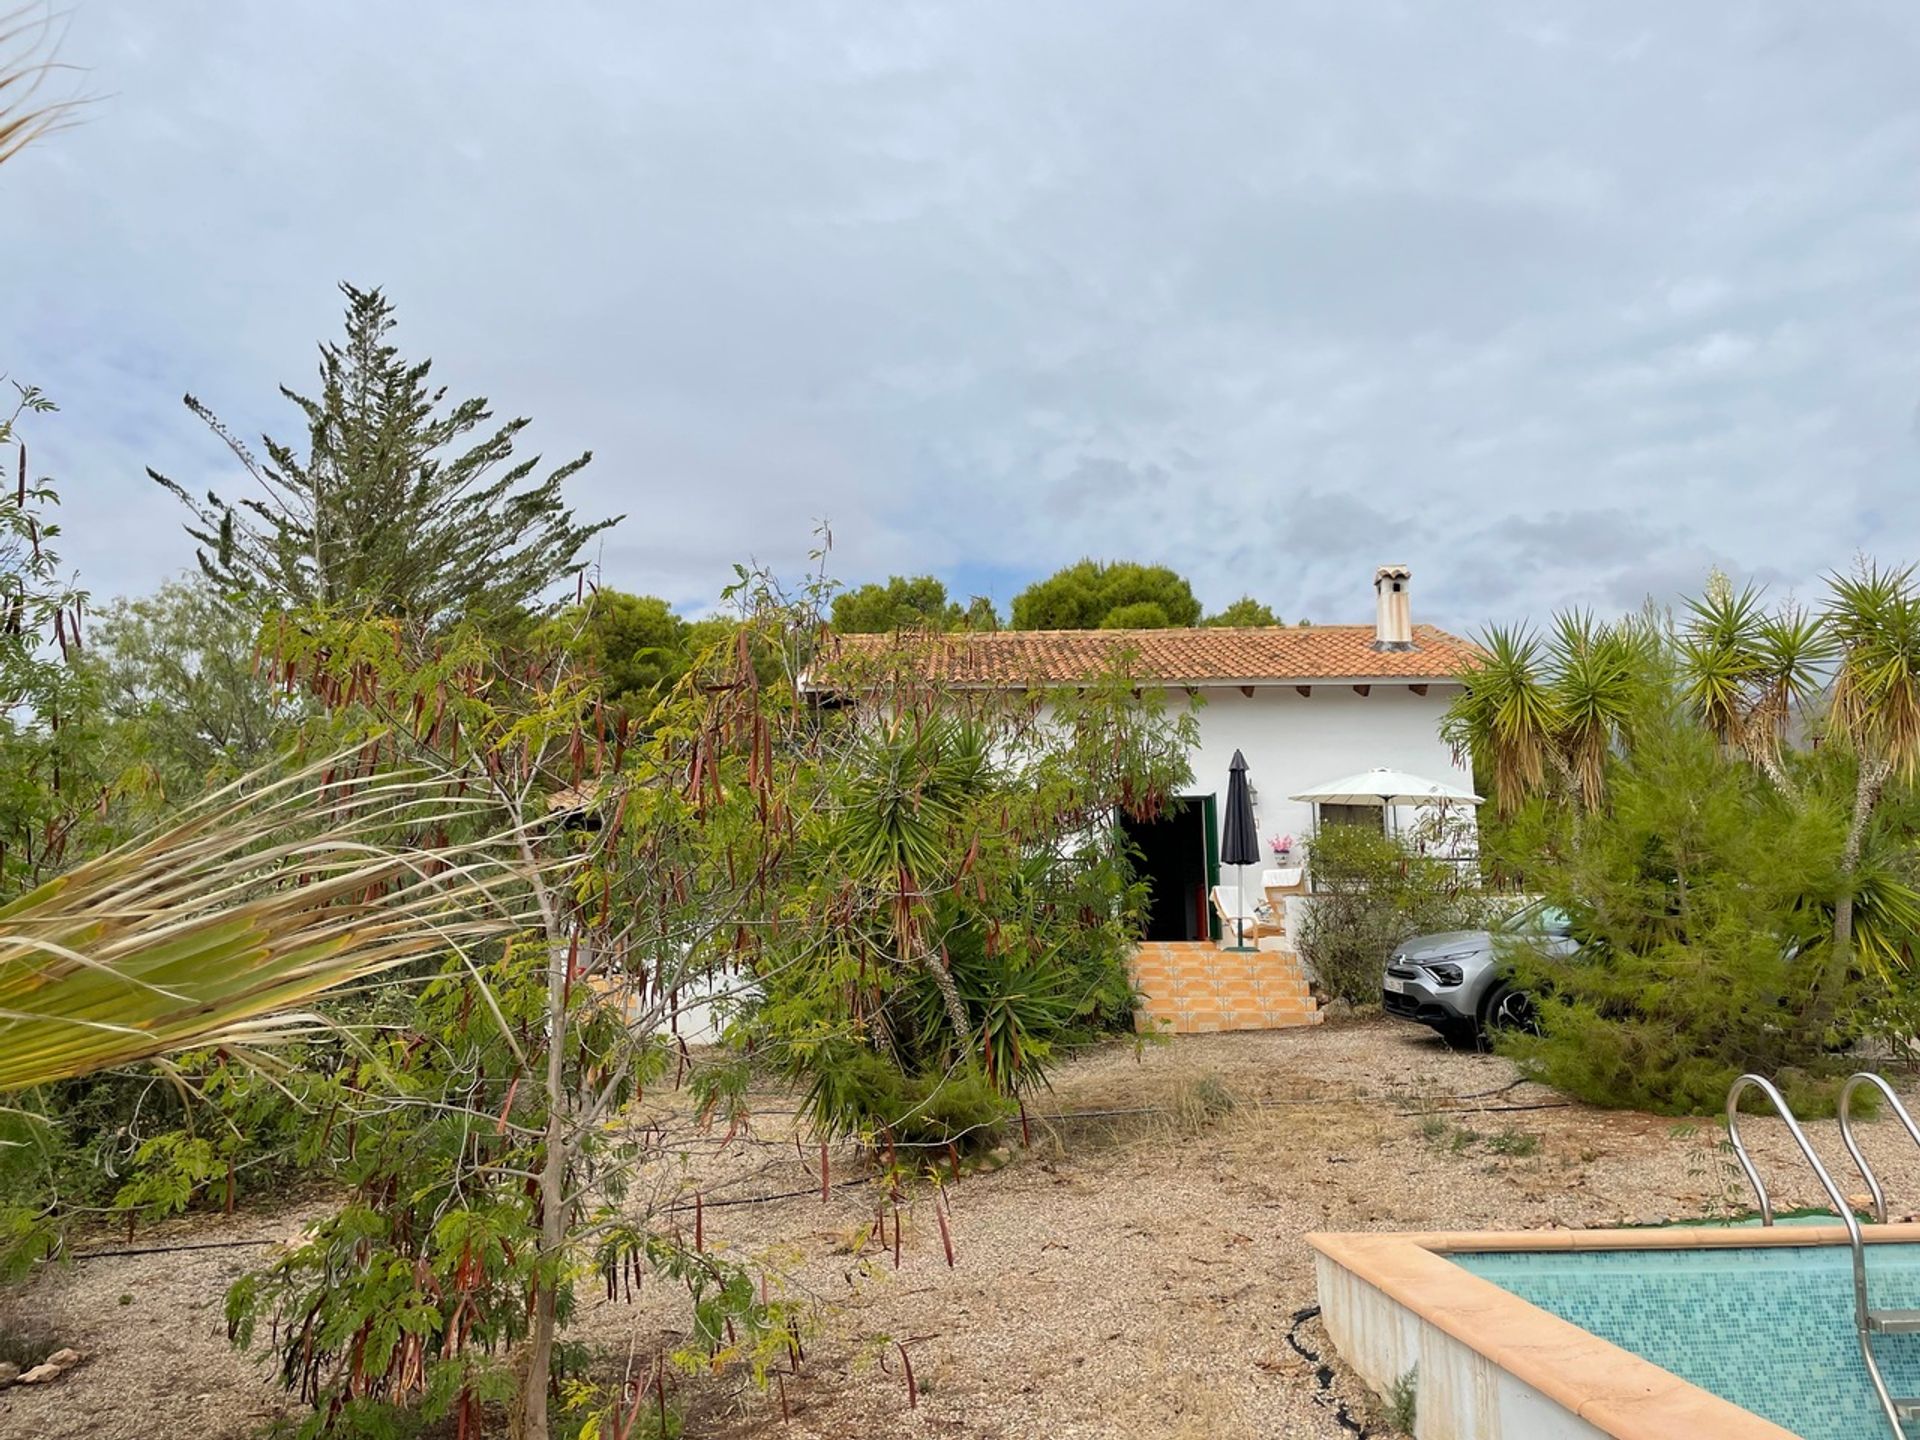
1096	482
1268	293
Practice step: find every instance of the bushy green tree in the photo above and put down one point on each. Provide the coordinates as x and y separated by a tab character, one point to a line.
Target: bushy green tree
1137	615
180	674
1246	612
1086	596
635	646
902	603
395	507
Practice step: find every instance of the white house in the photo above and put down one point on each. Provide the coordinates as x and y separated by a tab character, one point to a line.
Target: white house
1305	704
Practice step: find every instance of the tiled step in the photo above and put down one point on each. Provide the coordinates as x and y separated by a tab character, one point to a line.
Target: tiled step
1199	988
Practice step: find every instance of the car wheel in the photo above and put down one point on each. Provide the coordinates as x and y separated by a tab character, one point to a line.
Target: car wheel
1509	1008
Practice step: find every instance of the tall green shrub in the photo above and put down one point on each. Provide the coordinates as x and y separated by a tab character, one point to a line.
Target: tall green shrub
1370	892
962	894
1702	895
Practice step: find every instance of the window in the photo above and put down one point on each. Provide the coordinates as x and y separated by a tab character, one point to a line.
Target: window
1539	918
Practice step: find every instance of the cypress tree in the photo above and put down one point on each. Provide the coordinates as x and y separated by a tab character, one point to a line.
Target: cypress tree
393	509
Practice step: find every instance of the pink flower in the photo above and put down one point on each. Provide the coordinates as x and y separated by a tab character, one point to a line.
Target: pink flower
1281	844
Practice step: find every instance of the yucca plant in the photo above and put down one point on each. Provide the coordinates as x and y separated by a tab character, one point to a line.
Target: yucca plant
1540	711
1745	671
1598	667
1508	714
215	929
1874	617
905	803
1720	658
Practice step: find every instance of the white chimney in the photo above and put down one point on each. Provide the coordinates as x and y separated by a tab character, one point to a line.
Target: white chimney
1393	613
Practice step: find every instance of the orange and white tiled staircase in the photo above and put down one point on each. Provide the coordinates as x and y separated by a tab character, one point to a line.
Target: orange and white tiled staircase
1197	987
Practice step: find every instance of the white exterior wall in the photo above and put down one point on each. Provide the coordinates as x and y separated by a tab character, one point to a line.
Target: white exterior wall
1292	741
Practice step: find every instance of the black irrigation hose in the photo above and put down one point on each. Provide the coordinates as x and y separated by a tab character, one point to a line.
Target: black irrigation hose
743	1200
167	1249
1323	1374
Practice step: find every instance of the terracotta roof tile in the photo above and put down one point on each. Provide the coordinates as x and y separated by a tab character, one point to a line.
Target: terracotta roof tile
1201	656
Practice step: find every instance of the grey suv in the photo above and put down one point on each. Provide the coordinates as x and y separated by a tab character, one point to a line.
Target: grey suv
1460	982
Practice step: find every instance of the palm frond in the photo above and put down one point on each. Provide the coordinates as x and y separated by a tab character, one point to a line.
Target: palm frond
1720	659
1875	619
28	64
265	894
1593	692
1794	650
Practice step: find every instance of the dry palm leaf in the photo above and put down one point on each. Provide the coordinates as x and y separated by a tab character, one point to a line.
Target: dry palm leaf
27	65
267	893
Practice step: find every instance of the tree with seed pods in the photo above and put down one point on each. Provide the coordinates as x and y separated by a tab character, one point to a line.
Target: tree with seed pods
495	1131
54	765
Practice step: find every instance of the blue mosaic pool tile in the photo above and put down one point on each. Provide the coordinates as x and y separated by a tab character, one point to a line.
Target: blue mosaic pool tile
1769	1329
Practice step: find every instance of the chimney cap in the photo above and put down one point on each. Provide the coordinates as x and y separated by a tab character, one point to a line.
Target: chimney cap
1392	572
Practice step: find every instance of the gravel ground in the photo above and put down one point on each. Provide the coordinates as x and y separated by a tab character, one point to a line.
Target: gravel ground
1133	1275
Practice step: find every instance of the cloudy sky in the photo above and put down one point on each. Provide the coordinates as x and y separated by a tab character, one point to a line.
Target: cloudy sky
1556	302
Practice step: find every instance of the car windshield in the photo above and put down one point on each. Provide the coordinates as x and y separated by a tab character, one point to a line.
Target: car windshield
1538	918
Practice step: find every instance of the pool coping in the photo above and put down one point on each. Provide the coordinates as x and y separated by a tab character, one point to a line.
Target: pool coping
1612	1389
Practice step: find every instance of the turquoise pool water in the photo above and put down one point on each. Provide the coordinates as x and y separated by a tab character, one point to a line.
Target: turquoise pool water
1769	1329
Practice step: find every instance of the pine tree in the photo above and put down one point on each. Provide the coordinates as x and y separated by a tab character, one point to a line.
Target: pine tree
918	602
387	512
1095	595
1243	613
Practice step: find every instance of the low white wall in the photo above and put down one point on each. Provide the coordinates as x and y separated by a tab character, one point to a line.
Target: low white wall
1460	1393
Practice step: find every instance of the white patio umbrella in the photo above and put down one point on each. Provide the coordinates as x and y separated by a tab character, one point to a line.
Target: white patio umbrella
1385	788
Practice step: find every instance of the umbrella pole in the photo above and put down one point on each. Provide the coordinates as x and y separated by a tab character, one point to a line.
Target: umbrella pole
1240	913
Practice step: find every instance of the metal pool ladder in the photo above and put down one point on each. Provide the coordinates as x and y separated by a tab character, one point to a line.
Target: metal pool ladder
1867	1321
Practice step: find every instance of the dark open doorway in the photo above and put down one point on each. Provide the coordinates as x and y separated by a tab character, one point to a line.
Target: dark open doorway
1174	856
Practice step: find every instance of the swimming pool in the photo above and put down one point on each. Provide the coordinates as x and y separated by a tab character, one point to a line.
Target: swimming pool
1768	1328
1725	1331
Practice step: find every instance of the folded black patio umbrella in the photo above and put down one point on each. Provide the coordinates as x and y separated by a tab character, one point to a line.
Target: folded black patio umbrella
1238	844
